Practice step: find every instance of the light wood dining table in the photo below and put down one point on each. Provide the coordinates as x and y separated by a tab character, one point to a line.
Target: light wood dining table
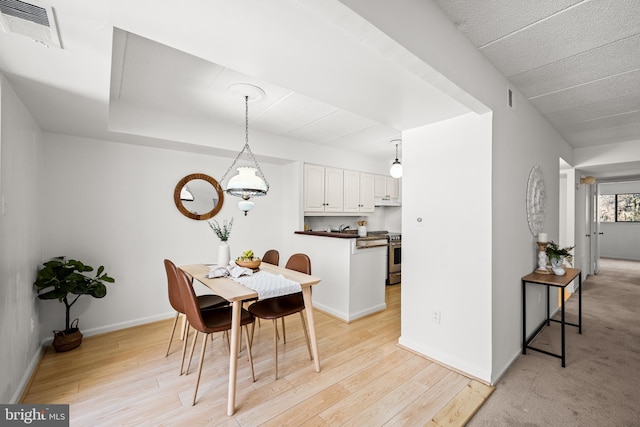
236	293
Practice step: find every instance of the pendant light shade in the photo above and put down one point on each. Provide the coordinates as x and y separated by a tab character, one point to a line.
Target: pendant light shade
250	181
246	184
396	168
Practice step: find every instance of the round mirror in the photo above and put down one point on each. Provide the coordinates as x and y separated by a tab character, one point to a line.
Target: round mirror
198	196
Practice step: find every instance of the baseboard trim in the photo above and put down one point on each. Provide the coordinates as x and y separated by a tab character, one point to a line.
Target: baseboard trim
25	382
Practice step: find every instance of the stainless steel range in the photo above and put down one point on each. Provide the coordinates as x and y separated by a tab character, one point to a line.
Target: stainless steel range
394	260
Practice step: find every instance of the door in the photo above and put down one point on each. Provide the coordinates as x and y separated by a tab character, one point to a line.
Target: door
596	230
592	228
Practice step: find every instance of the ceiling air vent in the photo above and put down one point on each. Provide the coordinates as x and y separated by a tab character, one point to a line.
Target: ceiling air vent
31	19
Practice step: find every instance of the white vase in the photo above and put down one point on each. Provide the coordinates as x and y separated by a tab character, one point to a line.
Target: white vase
557	266
224	254
362	231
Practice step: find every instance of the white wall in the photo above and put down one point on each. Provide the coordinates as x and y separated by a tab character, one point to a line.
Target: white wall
112	204
20	241
447	255
521	138
620	239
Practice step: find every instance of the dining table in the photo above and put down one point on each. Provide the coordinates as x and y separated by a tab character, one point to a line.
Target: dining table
236	293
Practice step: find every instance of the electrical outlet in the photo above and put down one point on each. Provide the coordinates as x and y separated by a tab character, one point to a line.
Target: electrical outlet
436	316
33	325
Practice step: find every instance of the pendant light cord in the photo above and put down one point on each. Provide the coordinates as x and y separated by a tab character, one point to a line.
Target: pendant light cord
246	147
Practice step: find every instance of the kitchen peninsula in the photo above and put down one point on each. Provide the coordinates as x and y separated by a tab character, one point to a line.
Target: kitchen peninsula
353	270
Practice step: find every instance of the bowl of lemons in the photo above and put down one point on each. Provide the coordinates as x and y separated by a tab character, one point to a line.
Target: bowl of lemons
248	260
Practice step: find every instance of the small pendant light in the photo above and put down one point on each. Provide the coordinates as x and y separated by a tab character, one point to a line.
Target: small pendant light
396	167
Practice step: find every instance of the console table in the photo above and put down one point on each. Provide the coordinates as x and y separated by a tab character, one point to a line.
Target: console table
560	282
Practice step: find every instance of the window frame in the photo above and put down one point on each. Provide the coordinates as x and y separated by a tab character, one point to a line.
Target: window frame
615	208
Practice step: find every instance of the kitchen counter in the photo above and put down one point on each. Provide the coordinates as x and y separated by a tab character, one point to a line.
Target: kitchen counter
353	271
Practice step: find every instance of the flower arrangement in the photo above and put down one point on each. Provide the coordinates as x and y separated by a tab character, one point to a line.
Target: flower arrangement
223	232
361	223
554	252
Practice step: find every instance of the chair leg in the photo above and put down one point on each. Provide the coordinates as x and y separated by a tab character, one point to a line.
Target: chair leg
253	327
306	335
284	333
173	330
204	345
275	344
248	344
193	346
184	346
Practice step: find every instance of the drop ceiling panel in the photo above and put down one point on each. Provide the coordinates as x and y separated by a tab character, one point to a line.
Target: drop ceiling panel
598	91
485	21
220	103
291	113
609	135
608	122
578	29
332	126
167	79
610	107
614	58
376	138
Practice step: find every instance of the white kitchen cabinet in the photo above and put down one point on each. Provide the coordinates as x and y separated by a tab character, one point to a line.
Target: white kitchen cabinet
387	190
367	188
358	192
323	189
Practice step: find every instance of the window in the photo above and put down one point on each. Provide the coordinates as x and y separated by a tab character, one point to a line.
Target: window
619	207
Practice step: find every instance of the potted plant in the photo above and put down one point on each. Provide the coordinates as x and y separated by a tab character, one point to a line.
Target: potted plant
65	281
557	256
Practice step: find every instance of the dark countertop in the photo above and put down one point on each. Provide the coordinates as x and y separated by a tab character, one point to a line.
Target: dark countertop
327	234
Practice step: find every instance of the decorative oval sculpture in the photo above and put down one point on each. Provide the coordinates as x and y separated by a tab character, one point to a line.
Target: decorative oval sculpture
536	200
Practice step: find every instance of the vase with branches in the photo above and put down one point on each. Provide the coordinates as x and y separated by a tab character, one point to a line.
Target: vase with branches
223	232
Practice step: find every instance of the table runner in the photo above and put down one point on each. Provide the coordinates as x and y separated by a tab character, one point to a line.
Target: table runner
269	285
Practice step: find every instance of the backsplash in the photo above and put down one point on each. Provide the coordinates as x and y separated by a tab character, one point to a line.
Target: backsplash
384	218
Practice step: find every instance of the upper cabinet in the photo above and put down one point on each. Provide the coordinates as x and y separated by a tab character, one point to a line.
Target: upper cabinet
333	191
358	192
387	191
323	189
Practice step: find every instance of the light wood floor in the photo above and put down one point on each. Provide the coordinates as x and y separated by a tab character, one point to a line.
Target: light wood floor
124	378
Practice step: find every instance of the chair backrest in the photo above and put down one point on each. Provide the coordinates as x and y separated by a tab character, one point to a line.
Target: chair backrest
175	298
272	257
299	262
191	305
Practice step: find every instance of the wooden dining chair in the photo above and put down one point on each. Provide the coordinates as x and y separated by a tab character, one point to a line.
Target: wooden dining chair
205	302
208	322
280	307
272	256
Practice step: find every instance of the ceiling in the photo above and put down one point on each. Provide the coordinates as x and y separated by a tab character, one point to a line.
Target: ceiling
202	90
578	62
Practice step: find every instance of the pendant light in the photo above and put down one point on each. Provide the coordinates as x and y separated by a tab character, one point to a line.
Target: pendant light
250	181
396	167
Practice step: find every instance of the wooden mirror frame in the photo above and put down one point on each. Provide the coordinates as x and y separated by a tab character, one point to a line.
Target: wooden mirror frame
185	211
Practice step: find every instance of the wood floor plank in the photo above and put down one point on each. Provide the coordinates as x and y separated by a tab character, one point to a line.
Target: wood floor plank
460	410
124	378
